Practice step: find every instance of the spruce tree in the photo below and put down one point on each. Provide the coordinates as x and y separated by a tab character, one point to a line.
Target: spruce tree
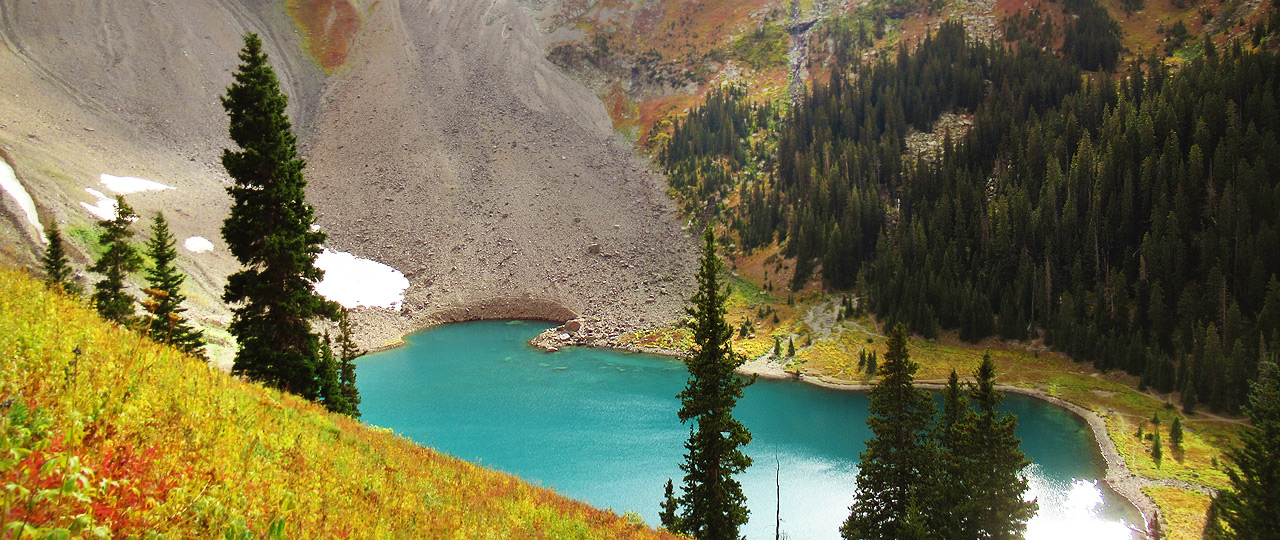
952	433
1157	453
1248	508
667	516
898	466
1175	432
327	378
713	506
165	322
269	230
116	263
57	267
347	354
997	484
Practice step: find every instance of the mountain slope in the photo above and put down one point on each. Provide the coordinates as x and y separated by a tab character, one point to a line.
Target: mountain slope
444	145
102	428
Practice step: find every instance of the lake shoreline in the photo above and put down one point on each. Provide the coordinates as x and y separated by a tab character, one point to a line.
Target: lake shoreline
1118	475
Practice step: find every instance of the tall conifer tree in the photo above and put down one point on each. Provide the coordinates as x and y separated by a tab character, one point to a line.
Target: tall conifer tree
898	465
713	505
995	506
269	230
116	263
953	434
165	322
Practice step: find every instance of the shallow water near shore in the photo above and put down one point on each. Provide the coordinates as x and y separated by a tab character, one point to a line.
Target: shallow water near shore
600	426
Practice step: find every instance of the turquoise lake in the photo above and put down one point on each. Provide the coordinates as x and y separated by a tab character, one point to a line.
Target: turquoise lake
600	426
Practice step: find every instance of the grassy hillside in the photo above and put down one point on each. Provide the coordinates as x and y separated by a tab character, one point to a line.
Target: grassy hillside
106	434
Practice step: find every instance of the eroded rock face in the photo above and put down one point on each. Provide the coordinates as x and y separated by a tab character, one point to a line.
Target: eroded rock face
446	147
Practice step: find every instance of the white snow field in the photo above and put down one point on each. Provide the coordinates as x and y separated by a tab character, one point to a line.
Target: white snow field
125	185
352	281
9	181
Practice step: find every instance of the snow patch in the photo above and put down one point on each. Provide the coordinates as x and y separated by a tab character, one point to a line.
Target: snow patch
198	244
9	181
125	185
104	209
352	281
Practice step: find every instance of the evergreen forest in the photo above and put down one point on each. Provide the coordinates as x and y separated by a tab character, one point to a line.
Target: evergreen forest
1127	217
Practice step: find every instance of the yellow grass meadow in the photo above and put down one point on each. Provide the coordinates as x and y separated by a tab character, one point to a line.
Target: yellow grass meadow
108	435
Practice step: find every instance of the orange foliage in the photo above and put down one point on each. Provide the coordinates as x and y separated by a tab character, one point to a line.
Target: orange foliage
330	27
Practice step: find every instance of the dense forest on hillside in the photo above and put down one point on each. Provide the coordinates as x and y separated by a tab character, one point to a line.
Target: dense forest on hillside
1132	218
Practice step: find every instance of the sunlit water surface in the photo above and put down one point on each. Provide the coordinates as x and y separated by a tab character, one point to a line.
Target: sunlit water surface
601	426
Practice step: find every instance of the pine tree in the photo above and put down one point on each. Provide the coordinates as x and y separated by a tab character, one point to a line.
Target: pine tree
330	392
1157	453
952	433
1250	505
116	263
713	505
667	516
348	352
899	461
269	230
996	483
165	323
791	347
57	267
1175	432
1189	400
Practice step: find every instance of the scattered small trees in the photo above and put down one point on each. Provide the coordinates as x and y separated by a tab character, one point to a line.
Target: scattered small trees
116	263
713	506
163	322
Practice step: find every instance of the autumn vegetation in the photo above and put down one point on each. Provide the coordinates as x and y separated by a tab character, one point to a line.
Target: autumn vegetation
104	433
